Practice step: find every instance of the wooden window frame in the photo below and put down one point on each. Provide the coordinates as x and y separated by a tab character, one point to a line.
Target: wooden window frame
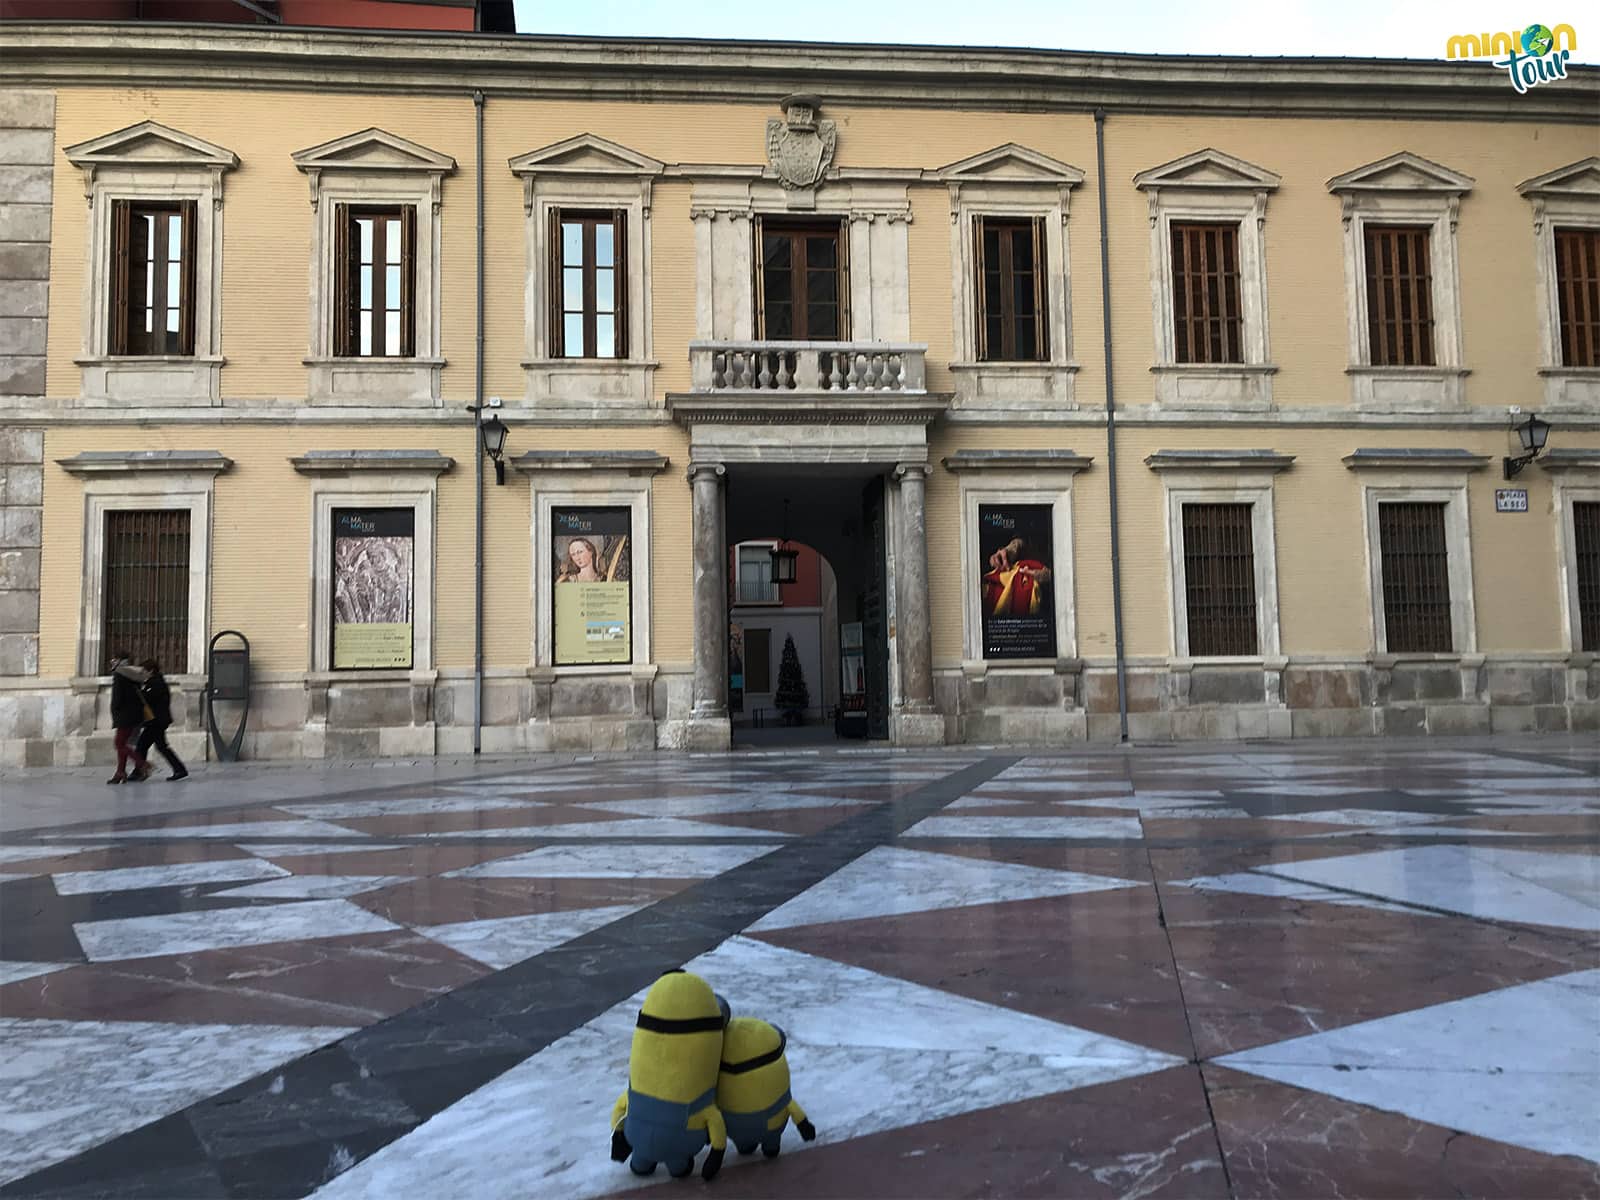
1400	302
157	583
1577	284
1219	625
346	306
125	308
1007	351
1210	332
589	218
797	303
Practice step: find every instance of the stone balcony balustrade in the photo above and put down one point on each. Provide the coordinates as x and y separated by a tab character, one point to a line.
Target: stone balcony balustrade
769	369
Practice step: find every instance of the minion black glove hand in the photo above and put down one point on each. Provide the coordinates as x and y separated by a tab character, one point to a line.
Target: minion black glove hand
619	1146
713	1164
808	1131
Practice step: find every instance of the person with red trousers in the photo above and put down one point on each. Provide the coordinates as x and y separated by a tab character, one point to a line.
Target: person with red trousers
127	715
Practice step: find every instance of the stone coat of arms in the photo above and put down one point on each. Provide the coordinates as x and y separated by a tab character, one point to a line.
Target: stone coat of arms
799	146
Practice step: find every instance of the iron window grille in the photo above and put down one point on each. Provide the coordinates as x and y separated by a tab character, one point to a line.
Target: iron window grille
1207	309
1219	574
1416	578
1578	295
1586	536
1399	295
147	586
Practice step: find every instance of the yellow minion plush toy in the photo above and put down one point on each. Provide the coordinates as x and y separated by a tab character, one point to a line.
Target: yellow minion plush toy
669	1111
753	1087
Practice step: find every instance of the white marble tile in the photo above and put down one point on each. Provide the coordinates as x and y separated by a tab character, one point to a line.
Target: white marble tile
1306	789
123	879
356	845
251	830
888	881
1027	827
22	854
12	972
314	887
1359	816
1166	805
1480	881
641	827
1048	789
644	861
1434	831
859	1045
703	806
185	933
505	941
1518	1065
404	806
1251	884
68	1085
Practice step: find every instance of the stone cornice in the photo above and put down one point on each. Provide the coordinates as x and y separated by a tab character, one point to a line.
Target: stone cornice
131	462
1218	460
1017	460
634	462
1559	461
1416	459
103	54
321	462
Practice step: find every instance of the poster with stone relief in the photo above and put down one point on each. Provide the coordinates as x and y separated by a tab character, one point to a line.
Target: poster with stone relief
373	572
1016	591
593	578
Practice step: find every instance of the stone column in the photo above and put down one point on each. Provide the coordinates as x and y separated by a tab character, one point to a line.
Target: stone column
708	727
916	721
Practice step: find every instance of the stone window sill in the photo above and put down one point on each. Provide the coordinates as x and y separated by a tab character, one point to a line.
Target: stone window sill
1020	385
374	382
1214	385
151	379
1407	389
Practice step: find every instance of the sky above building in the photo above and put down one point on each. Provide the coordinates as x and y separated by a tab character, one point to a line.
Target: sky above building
1361	28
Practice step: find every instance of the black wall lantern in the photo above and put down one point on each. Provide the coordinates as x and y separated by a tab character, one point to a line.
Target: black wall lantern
785	560
1532	433
493	431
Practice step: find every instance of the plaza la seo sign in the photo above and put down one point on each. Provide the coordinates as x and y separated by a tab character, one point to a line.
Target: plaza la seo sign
1511	500
1532	56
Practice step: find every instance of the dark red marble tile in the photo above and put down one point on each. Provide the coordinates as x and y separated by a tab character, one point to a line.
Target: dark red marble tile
184	820
113	857
402	860
1258	969
1117	862
1237	828
1024	808
445	901
1039	796
872	793
1570	824
797	821
471	820
1098	960
353	980
1283	1143
1148	1137
1172	863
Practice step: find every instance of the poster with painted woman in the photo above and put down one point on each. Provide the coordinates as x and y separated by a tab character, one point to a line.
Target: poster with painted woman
1016	598
593	578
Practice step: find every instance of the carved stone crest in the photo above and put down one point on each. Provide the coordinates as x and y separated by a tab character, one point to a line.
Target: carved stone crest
799	146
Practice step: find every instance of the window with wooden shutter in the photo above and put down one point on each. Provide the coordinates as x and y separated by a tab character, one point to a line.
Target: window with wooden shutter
1399	295
1578	295
374	256
152	278
801	282
1219	572
1207	311
1012	290
1416	577
147	586
1586	538
588	284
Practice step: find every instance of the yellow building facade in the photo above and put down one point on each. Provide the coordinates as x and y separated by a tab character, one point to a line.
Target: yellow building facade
1229	463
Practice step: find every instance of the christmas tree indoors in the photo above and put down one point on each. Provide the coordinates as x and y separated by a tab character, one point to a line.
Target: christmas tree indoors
791	699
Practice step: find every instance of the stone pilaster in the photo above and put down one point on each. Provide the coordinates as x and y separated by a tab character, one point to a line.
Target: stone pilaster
915	721
708	727
21	520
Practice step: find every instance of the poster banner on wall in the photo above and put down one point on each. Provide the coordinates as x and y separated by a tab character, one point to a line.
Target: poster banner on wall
1016	593
593	585
372	587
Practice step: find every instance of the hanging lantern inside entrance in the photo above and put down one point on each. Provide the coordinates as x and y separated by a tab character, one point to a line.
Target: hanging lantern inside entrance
785	559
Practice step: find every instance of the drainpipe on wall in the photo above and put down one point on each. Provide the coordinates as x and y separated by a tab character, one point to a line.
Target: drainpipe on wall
477	458
1111	424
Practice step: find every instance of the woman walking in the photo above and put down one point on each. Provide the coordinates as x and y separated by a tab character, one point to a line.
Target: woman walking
158	699
127	714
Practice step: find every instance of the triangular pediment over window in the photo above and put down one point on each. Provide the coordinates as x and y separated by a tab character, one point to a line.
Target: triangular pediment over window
1011	163
1402	172
373	150
1580	179
1211	170
585	154
152	143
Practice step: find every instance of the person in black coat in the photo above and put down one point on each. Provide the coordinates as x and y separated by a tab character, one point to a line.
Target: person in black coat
127	714
158	698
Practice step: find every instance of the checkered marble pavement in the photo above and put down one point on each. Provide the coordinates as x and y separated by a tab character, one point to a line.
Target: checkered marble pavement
1235	971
